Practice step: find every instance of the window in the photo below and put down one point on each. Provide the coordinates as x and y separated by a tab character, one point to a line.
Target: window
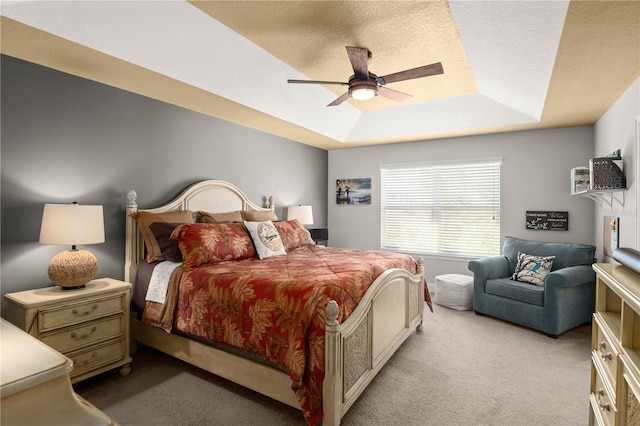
447	208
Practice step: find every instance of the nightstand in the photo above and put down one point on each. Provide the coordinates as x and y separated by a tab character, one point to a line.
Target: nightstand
88	325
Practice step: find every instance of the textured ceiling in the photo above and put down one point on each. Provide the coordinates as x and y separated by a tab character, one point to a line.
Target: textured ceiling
508	65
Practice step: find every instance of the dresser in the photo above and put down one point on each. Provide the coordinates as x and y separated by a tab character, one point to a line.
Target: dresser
88	325
615	347
35	386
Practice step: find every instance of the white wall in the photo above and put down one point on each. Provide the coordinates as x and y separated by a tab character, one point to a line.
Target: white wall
535	175
618	128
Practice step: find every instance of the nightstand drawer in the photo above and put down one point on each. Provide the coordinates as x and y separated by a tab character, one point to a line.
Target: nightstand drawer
51	319
84	334
97	356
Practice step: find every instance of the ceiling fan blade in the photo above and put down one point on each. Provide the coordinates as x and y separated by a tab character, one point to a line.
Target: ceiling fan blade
394	95
317	82
424	71
340	100
359	57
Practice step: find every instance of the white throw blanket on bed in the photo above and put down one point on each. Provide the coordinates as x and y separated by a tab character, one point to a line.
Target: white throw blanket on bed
159	283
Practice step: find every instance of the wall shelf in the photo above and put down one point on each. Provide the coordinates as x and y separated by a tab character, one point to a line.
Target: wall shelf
608	196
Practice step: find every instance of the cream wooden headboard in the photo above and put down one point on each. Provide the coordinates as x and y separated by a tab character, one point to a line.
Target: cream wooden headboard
213	196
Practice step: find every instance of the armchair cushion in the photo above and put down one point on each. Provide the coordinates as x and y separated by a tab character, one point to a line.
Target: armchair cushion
523	292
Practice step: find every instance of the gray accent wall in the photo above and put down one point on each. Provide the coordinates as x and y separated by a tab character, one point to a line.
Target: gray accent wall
66	139
535	175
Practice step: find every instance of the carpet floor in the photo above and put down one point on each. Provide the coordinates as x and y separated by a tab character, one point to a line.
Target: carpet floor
464	369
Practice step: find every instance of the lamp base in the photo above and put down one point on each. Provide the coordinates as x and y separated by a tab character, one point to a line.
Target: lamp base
72	269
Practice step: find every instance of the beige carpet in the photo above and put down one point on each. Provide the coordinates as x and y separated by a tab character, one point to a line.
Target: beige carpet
463	369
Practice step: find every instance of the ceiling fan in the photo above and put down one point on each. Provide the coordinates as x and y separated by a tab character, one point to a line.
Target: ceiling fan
364	85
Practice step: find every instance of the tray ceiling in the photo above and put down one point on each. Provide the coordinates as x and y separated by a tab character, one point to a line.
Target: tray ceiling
508	65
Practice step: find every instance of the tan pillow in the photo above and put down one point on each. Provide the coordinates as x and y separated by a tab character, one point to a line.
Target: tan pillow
145	219
253	216
229	217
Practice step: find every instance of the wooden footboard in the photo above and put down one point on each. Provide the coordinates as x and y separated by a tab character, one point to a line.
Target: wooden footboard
356	350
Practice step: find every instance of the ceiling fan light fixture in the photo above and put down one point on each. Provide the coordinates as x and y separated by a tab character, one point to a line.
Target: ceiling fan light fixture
363	90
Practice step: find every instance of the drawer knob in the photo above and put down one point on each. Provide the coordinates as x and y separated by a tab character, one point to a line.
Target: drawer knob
75	335
85	362
605	407
605	356
81	314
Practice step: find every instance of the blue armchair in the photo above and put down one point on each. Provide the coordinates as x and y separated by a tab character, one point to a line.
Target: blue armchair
566	300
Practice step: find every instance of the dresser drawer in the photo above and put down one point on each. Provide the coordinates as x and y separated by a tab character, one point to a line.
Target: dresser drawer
62	316
605	407
97	356
81	335
607	352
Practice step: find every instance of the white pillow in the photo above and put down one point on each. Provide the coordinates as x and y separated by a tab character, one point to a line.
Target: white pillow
265	238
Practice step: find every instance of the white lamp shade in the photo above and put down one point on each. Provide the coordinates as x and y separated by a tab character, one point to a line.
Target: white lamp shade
72	224
304	214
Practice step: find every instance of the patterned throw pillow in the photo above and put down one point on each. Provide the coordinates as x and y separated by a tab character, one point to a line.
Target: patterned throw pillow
532	269
266	239
202	243
293	234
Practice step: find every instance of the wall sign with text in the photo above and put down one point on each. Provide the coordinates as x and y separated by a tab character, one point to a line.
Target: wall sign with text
548	221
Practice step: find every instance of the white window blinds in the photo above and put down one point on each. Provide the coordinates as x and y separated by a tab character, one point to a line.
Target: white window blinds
447	208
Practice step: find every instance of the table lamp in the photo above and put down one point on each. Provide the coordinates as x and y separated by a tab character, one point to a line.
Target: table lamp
72	224
304	214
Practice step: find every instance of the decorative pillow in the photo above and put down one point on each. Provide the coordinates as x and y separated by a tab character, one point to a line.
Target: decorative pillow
253	216
145	219
169	248
532	269
266	239
202	243
229	217
293	234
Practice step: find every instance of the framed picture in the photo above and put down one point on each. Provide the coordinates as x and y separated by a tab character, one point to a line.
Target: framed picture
611	230
353	191
547	221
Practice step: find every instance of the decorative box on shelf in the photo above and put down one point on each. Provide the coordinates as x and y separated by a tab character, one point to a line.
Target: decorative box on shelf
88	325
607	173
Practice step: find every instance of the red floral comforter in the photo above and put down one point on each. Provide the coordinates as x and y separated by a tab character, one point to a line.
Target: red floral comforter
275	308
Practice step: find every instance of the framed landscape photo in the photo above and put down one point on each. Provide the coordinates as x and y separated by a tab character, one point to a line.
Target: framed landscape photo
353	191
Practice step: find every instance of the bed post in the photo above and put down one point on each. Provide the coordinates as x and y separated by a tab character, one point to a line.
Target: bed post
332	384
420	272
131	244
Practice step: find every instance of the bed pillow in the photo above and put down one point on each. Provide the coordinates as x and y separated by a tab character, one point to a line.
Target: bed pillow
202	243
228	217
266	239
169	249
145	219
532	269
293	234
262	216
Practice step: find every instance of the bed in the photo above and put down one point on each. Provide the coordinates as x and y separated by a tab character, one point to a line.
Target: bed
378	318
